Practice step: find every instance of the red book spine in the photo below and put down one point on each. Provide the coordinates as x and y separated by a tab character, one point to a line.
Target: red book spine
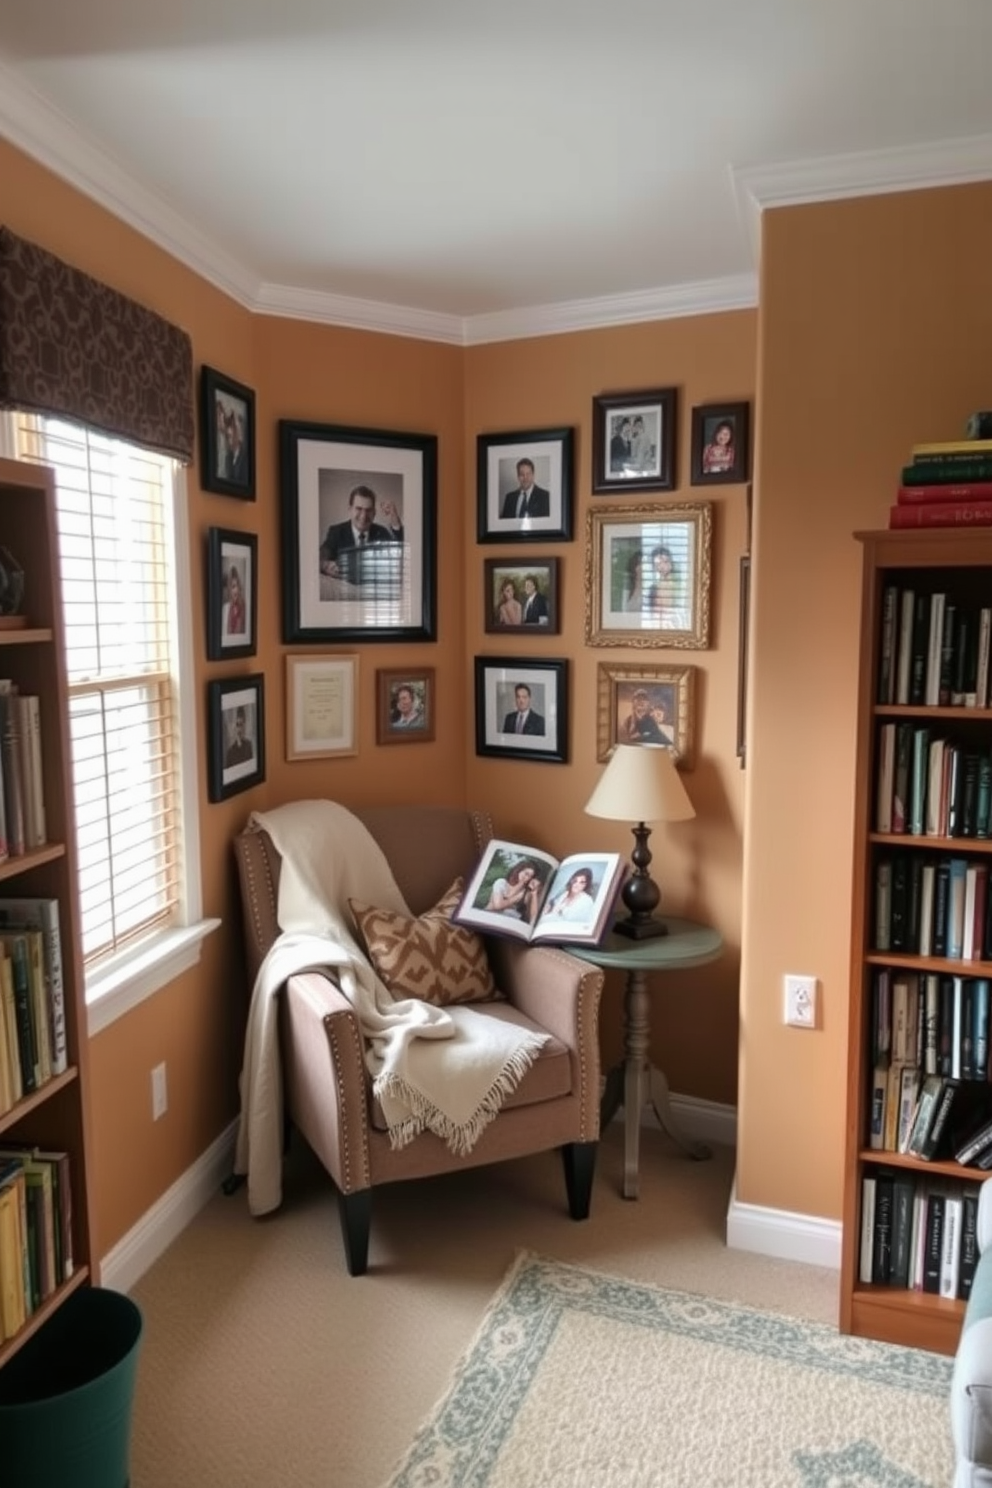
942	514
963	491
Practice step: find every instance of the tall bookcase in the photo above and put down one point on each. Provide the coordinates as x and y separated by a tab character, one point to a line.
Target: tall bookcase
957	563
55	1115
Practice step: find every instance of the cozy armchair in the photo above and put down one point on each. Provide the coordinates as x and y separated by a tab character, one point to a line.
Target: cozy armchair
327	1090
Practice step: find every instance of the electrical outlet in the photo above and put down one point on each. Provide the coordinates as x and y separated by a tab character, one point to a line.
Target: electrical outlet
160	1094
800	1001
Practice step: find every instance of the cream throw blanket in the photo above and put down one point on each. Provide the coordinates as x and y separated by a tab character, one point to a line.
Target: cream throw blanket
445	1070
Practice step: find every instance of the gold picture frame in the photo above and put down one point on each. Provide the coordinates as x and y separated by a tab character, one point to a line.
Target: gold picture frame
320	706
648	574
646	705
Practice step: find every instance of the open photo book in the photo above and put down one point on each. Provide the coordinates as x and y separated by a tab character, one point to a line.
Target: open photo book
523	892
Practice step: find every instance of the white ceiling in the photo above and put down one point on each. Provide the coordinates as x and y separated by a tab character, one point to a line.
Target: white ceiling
470	171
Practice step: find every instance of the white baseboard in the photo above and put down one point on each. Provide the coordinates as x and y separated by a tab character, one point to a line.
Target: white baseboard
155	1231
787	1237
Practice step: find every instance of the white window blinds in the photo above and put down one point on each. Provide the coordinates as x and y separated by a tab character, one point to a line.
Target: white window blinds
116	542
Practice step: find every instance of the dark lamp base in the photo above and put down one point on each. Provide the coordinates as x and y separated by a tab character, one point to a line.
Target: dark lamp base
647	929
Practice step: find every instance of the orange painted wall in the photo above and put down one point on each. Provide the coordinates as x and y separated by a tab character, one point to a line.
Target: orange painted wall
550	382
875	333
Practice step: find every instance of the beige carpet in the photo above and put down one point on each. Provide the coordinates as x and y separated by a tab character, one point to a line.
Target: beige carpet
577	1377
264	1364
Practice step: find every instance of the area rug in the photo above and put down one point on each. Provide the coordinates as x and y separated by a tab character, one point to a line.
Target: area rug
579	1380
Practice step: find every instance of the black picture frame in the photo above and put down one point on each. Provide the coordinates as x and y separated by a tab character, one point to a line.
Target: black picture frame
550	454
232	594
719	468
645	459
743	622
223	470
332	589
535	592
497	679
231	768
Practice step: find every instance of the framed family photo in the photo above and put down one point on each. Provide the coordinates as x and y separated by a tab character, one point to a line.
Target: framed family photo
404	712
525	486
720	444
236	735
633	441
646	705
521	708
521	597
320	706
358	533
227	435
648	576
232	594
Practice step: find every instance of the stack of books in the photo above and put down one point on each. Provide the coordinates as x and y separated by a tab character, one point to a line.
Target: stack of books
946	485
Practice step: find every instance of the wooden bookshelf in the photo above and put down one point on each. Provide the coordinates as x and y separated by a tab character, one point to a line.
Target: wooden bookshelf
55	1115
958	563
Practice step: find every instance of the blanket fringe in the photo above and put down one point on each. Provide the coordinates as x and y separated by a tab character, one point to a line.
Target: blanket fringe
425	1116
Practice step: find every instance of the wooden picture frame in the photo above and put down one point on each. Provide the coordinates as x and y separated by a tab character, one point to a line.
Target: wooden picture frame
541	460
334	480
648	574
227	435
520	597
633	441
321	718
235	735
721	438
500	685
232	594
646	705
404	712
743	621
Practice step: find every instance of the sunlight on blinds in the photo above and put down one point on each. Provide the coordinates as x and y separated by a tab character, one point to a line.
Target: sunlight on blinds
115	539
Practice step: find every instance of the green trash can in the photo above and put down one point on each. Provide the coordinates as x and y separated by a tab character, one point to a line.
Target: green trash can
66	1396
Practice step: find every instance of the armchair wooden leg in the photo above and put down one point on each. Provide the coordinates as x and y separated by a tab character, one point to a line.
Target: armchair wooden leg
579	1159
356	1218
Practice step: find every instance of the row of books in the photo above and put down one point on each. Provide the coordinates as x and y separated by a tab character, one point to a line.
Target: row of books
935	1118
945	485
928	786
22	794
36	1253
33	1043
918	1234
934	906
934	650
936	1023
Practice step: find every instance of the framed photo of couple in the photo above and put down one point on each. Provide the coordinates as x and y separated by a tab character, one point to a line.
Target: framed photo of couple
525	486
646	705
227	435
521	597
633	441
521	708
648	576
358	533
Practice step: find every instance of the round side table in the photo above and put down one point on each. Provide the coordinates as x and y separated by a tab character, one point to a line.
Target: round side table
634	1081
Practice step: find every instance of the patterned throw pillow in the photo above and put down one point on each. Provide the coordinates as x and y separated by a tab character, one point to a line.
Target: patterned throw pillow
429	958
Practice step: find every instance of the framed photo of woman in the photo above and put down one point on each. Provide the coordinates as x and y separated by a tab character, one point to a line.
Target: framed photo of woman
648	576
404	706
232	594
720	439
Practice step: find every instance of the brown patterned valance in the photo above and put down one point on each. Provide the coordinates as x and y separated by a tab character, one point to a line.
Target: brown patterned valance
74	348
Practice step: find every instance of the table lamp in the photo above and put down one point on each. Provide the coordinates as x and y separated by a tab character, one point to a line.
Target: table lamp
640	784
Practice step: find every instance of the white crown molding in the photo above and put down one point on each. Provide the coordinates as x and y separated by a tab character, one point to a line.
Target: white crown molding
41	131
955	162
738	292
361	315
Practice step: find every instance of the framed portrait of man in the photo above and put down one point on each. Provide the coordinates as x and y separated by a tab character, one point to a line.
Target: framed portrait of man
227	435
525	486
236	735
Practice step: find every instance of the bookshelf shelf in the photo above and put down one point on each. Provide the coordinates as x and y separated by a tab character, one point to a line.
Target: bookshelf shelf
909	928
53	1117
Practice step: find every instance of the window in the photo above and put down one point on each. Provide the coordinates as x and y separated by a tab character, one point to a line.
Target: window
123	555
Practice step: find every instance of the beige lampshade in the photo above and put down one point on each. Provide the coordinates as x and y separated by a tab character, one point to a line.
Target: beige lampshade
640	784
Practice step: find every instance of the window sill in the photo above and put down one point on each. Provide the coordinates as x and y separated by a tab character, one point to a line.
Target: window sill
114	990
